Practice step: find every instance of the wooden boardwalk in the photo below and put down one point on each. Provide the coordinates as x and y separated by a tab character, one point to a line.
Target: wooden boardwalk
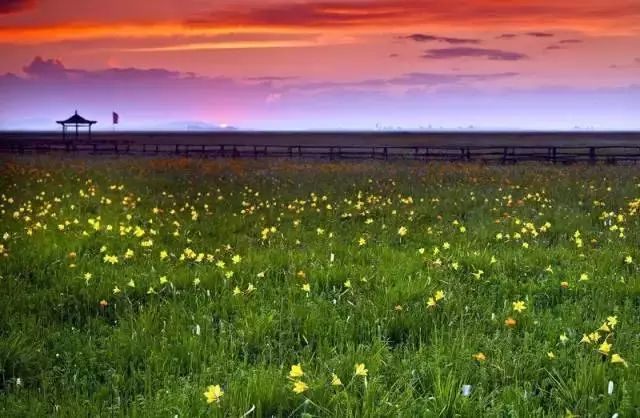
481	153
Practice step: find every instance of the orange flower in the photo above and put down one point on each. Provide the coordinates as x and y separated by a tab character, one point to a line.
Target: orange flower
104	303
510	322
564	285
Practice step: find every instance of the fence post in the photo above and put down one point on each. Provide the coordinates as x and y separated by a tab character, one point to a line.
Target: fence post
504	155
386	153
592	155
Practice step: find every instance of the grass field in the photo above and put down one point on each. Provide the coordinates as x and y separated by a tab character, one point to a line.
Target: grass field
132	287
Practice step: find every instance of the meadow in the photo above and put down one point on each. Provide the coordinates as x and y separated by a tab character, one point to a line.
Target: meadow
187	287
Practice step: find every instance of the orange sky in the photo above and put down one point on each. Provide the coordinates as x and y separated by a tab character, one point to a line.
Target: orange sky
570	44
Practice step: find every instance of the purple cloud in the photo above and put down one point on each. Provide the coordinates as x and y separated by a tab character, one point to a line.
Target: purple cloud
571	41
507	36
491	54
540	34
419	37
14	6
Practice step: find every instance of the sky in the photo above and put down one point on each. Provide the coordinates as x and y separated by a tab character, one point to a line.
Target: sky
322	64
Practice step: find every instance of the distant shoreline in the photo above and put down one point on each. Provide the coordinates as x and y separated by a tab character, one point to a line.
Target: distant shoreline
345	138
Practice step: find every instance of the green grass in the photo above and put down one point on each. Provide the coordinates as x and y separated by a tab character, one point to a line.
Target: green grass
153	352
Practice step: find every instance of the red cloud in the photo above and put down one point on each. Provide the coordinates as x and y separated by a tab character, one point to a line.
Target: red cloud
14	6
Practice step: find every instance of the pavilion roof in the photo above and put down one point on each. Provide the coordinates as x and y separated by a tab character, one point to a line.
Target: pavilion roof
76	120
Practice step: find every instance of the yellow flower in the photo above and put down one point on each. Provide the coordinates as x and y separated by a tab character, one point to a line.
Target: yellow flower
131	283
583	277
237	291
519	306
163	255
299	386
594	336
612	321
213	393
604	348
296	371
163	279
402	231
347	284
616	358
335	380
585	339
551	355
564	338
604	328
628	259
479	356
116	290
431	303
236	259
439	295
362	241
361	370
306	287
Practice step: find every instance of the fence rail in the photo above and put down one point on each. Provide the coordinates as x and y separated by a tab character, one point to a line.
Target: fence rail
480	153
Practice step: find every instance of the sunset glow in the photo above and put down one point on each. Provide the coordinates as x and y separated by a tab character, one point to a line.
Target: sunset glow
352	64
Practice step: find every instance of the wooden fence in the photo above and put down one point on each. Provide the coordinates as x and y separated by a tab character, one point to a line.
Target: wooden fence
483	153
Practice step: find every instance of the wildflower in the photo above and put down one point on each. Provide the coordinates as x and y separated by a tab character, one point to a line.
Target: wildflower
237	291
306	287
563	338
163	279
585	339
104	303
519	306
604	348
163	255
439	295
551	355
466	390
479	357
362	241
628	259
111	259
583	277
347	284
478	274
196	281
88	276
116	290
296	371
616	358
299	386
335	380
213	393
510	322
402	231
604	328
431	303
361	370
131	283
564	285
236	259
151	291
250	288
612	321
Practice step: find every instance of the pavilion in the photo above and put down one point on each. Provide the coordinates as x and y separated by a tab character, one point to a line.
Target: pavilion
77	121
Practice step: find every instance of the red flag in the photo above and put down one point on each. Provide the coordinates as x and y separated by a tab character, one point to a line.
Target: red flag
116	117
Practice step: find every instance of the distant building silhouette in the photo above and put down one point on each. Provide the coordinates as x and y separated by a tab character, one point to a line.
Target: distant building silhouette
77	121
